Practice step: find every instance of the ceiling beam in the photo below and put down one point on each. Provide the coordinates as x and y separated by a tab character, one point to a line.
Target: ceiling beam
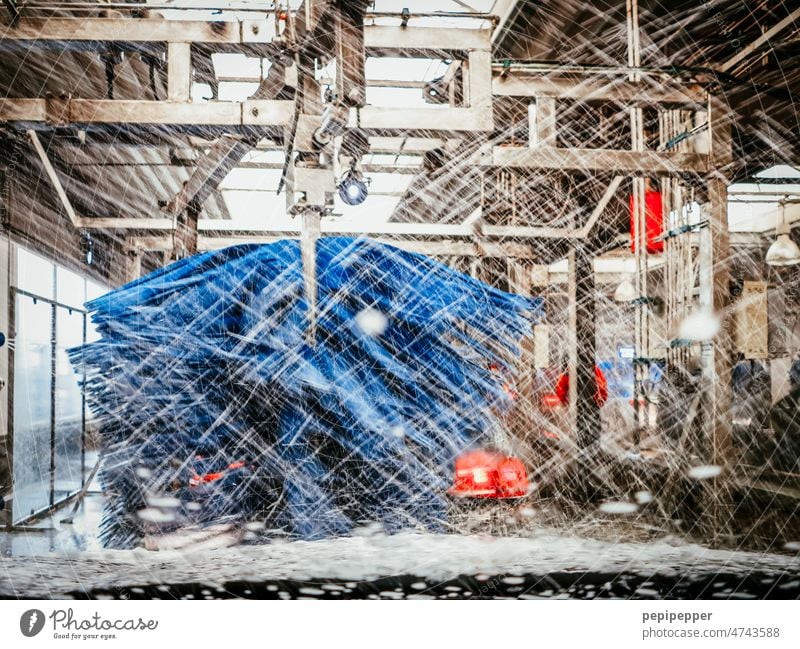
54	179
334	226
762	40
82	223
380	40
210	171
594	160
140	30
598	210
403	169
225	227
62	112
13	11
227	151
421	122
442	248
383	40
521	83
111	223
505	11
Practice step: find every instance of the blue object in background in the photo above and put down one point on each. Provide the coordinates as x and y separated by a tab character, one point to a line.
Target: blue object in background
620	374
205	389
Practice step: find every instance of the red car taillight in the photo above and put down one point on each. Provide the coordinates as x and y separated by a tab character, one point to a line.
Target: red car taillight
512	478
485	474
199	479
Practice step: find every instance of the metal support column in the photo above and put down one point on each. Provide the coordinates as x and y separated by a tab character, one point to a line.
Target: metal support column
544	127
642	310
584	413
717	354
185	234
133	261
349	31
308	249
641	323
7	267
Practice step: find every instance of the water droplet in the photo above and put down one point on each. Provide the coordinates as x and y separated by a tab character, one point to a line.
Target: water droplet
316	592
699	326
372	322
618	508
704	472
164	502
153	515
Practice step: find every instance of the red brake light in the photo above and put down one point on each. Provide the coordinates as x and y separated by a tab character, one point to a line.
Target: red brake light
196	480
485	474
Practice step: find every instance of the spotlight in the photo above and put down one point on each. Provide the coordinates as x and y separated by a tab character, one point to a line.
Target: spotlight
352	188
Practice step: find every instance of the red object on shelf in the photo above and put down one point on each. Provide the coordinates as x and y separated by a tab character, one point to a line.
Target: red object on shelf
487	474
654	222
600	393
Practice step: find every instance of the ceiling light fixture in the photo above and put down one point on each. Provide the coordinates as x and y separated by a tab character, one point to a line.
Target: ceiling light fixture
625	292
783	251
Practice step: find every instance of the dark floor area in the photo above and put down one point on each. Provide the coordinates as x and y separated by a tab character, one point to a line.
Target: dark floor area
558	585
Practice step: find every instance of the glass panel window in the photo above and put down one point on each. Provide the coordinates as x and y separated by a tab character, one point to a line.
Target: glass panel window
34	274
50	416
32	407
94	290
70	288
69	404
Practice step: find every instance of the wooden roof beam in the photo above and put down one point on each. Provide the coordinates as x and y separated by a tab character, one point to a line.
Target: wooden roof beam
761	41
62	112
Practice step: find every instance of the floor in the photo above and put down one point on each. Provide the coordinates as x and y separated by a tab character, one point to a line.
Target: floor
51	535
57	559
401	566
